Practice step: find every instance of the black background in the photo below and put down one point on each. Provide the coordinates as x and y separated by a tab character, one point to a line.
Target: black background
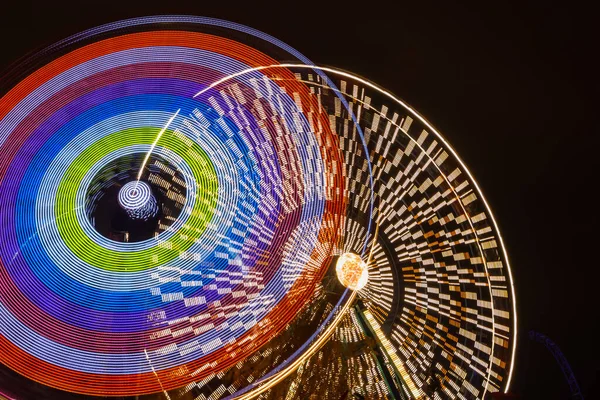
511	87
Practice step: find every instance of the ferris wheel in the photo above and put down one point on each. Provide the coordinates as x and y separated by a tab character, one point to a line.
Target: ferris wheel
191	207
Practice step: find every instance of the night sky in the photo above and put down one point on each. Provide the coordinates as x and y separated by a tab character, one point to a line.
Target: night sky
509	86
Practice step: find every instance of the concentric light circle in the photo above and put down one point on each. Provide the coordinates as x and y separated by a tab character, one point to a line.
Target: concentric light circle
260	203
137	199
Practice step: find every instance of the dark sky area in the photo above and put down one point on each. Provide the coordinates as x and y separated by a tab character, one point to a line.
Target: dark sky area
509	85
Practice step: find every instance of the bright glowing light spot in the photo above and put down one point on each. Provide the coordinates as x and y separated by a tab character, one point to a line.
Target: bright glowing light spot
137	200
352	271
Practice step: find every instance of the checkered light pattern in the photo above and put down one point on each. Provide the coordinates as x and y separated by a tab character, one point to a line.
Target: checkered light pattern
439	280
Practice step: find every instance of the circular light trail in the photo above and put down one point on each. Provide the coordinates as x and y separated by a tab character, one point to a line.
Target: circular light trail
451	203
248	177
136	198
259	220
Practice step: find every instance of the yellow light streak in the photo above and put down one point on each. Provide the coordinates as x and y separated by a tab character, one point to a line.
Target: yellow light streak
389	348
318	344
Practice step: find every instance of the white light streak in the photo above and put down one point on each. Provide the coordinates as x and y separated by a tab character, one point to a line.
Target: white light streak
155	142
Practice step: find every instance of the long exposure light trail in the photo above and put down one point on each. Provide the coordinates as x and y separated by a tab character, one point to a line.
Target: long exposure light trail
158	136
174	198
